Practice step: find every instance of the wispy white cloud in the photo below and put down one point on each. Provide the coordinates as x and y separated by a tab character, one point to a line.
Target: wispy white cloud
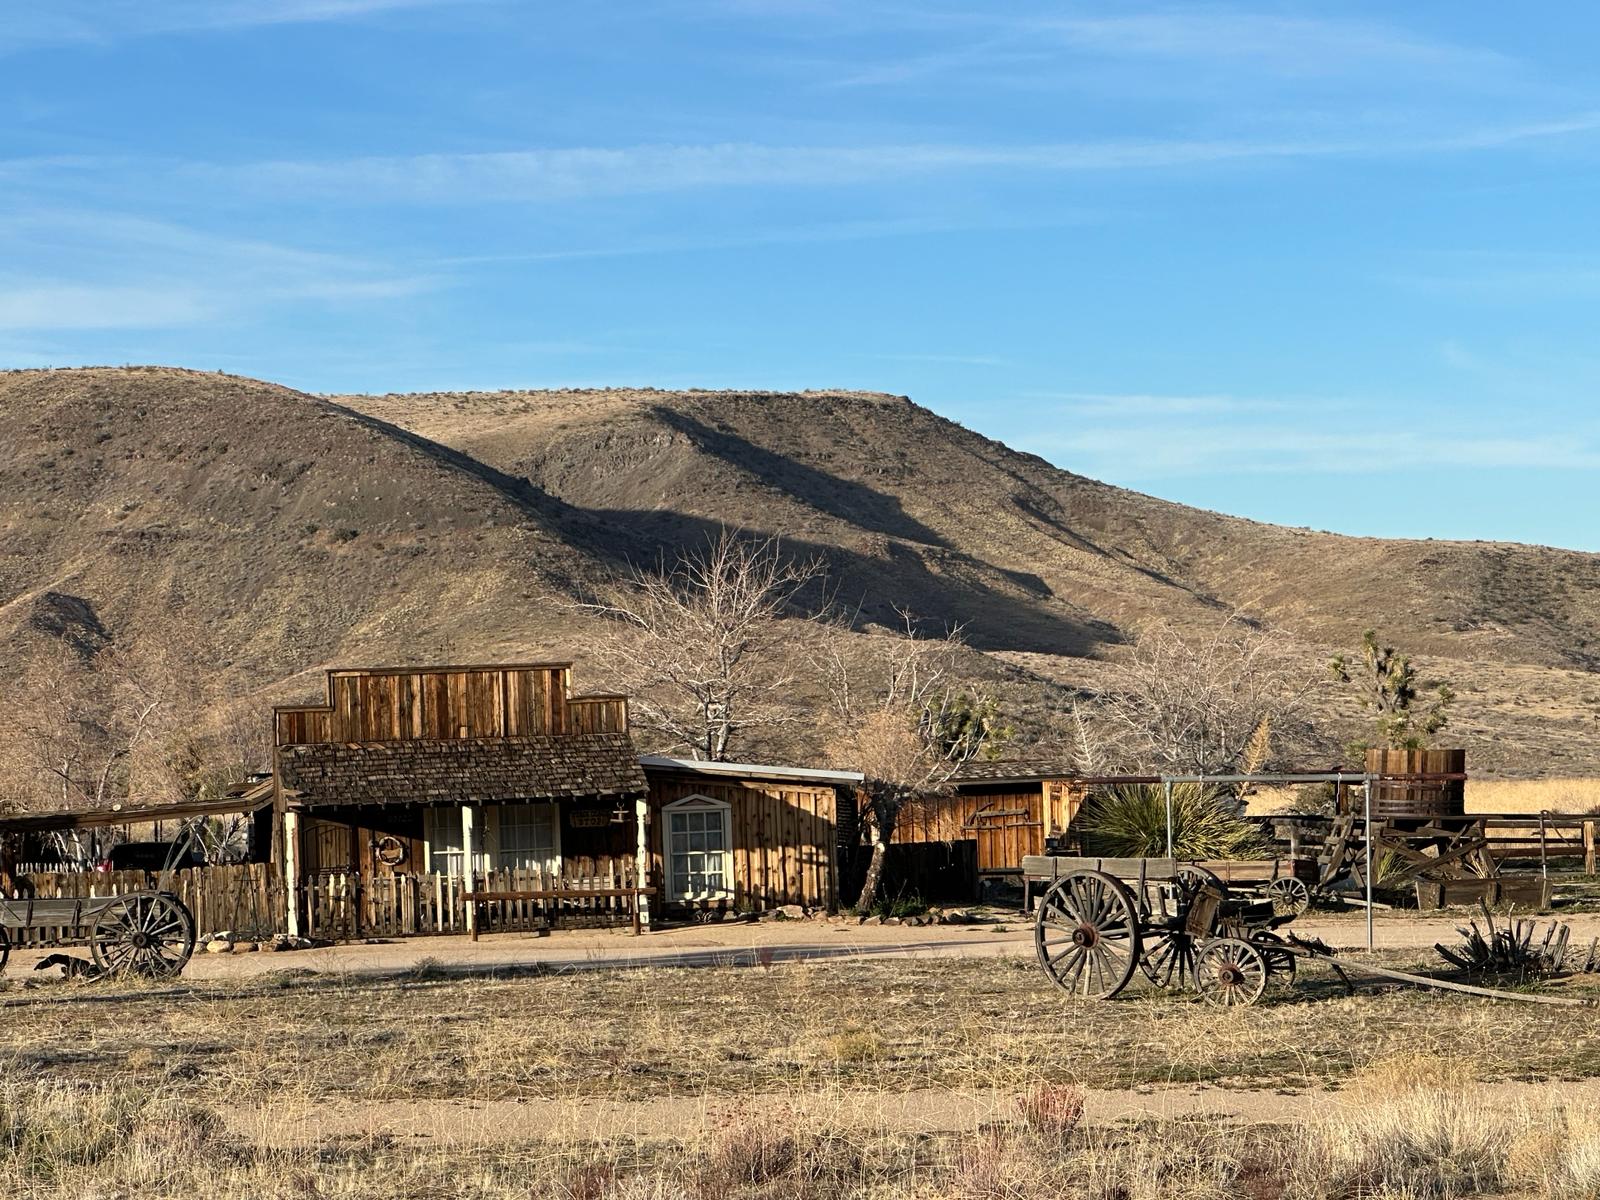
37	305
90	21
1143	404
1153	450
81	270
574	173
1042	46
1287	44
1503	277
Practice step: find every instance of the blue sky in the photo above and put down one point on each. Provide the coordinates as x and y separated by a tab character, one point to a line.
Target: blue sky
1333	265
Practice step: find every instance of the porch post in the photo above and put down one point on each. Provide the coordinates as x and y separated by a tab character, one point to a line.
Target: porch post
291	871
641	864
469	863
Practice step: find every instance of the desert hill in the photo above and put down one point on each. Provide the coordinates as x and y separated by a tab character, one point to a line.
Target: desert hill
294	531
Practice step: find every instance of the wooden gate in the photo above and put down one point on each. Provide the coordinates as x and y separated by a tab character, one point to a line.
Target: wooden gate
1006	829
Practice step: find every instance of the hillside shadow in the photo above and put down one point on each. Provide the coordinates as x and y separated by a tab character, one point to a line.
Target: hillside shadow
838	497
876	589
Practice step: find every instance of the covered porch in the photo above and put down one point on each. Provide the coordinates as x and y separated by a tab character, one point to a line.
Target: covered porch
431	834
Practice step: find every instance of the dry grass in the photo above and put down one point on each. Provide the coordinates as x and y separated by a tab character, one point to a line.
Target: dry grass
111	1093
1533	795
881	1025
1406	1136
1574	795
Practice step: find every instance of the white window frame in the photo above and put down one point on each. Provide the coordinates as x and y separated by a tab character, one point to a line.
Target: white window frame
493	848
448	817
677	894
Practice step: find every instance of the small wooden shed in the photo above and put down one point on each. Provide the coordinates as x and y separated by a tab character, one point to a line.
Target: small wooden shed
994	815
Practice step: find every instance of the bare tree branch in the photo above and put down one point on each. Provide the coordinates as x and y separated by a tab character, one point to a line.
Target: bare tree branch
706	646
1203	705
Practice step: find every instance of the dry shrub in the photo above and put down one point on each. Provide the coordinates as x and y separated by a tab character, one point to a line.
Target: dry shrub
857	1046
1413	1127
751	1149
1051	1111
47	1129
996	1165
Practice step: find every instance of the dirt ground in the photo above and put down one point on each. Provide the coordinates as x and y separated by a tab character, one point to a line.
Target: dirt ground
748	944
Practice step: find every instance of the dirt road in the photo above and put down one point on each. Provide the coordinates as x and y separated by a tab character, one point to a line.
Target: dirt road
741	944
922	1110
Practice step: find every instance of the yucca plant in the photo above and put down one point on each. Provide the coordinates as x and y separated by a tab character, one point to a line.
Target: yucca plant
1131	821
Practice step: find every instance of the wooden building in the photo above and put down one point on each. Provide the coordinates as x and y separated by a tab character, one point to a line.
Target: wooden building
994	815
497	780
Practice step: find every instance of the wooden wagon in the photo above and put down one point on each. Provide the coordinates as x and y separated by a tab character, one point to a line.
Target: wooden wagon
140	933
1102	921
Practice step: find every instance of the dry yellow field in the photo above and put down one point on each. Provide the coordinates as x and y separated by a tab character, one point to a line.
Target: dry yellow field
1565	795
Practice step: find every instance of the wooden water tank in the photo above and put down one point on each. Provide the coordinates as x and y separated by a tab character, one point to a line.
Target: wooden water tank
1418	800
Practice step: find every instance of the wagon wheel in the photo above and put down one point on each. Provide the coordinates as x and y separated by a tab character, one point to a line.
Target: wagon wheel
1087	934
1192	877
149	933
1290	896
5	947
1282	964
1230	972
1168	959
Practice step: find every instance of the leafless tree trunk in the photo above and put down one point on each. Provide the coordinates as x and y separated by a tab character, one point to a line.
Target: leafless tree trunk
901	717
706	647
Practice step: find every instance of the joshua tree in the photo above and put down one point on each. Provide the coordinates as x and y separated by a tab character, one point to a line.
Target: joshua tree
1386	685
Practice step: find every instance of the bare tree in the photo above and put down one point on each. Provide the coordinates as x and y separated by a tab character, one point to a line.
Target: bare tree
1206	704
705	647
904	719
88	733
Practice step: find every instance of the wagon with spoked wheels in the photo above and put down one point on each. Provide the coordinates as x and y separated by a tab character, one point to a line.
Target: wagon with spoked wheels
137	933
1102	923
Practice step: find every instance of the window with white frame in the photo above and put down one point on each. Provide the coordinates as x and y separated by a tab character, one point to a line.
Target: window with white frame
527	838
442	828
699	861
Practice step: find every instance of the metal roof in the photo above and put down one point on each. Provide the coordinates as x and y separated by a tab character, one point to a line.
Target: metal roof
700	766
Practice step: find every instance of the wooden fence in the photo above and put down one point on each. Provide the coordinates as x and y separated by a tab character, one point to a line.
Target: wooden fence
1522	836
248	900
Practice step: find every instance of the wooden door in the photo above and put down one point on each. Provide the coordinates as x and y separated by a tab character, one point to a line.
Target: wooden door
1007	828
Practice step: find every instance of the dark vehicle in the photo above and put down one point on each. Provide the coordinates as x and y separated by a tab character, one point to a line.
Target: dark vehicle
151	856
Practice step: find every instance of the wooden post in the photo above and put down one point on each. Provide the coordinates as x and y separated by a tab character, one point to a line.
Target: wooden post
1588	847
469	863
291	872
641	865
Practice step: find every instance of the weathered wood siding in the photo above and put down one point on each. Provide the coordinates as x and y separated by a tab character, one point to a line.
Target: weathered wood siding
449	702
1007	822
783	836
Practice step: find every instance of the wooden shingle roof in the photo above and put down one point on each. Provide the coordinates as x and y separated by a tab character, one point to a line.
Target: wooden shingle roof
1013	771
465	771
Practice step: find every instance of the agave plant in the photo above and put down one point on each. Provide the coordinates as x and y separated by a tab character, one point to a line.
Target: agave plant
1131	821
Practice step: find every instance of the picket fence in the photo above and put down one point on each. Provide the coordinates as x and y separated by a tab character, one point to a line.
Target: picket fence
248	900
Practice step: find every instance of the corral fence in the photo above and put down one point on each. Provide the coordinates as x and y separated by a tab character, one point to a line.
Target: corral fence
1523	837
247	900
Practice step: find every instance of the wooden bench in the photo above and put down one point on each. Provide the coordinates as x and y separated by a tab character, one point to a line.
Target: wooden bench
633	895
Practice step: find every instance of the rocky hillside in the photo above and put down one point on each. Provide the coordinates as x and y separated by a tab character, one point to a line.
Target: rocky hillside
293	531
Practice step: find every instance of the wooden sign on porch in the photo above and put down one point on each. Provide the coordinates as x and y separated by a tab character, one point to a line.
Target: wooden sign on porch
588	818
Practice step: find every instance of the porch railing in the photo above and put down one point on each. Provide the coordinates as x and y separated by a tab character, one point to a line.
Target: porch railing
248	901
